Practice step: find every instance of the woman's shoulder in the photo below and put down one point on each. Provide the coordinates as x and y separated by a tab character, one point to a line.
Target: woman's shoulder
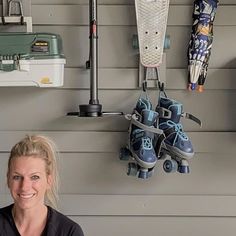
61	223
6	211
6	221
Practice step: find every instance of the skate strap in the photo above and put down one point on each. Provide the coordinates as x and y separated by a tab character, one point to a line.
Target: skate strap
192	117
134	120
140	133
166	113
163	112
158	144
162	137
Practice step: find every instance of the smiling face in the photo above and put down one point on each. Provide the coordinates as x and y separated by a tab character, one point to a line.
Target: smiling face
28	181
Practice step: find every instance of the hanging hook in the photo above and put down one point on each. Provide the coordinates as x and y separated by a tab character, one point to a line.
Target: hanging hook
144	86
161	87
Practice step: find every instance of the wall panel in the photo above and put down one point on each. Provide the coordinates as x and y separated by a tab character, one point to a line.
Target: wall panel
39	109
117	52
120	15
151	226
95	190
127	78
86	171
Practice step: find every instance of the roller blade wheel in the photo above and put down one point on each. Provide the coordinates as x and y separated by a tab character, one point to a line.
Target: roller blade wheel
124	154
170	166
132	169
184	169
144	174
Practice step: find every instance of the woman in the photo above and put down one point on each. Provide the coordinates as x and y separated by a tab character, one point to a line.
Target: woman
32	180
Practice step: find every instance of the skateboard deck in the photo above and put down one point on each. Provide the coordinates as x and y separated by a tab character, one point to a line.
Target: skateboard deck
151	16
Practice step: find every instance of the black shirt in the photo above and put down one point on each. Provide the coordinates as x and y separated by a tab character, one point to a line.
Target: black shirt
57	224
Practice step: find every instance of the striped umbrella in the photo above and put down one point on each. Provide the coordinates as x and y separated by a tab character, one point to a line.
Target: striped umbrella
201	42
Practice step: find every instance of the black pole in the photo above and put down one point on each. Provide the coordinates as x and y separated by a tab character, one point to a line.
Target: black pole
94	53
93	108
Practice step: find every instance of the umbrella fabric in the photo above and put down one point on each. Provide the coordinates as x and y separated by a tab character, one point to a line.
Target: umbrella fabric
201	41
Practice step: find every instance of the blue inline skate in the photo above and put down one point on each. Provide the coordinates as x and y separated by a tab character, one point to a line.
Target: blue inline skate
176	144
140	142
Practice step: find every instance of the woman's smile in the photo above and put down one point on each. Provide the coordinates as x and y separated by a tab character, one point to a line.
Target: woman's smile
26	196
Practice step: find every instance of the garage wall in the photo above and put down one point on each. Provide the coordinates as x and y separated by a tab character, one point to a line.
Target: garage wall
95	190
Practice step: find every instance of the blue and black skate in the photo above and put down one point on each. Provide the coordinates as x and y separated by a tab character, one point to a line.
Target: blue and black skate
141	136
176	144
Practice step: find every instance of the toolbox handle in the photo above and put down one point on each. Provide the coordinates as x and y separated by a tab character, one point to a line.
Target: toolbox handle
10	7
12	18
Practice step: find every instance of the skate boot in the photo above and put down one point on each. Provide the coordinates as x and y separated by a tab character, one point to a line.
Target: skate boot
141	135
176	144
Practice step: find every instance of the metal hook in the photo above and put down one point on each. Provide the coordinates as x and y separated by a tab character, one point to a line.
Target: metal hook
161	87
144	85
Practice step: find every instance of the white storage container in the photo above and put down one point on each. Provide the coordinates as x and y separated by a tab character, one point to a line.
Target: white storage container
31	59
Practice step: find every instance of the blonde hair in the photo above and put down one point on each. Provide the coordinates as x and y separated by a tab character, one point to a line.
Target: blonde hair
44	148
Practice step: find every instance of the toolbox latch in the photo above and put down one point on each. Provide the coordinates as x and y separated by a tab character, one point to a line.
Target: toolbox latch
9	62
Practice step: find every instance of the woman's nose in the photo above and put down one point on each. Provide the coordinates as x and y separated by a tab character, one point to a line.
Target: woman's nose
25	184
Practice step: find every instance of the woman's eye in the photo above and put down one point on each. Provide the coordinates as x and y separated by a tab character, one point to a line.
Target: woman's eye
16	177
34	177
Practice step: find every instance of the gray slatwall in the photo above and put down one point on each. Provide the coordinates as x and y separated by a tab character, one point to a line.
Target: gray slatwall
95	190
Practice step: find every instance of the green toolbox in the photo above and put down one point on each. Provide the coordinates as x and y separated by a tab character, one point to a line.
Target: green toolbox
31	59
